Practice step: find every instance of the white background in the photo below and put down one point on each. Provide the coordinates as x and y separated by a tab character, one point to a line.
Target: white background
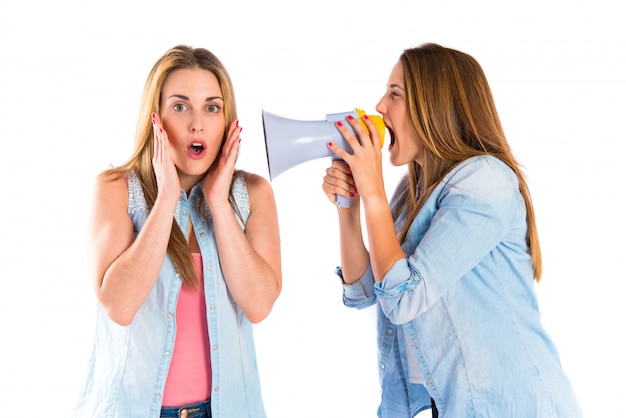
71	76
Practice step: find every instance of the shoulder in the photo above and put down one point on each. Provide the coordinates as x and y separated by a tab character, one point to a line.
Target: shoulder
483	184
256	184
483	171
110	198
259	190
112	181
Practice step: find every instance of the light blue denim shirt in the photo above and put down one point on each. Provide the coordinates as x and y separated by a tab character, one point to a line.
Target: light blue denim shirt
129	365
464	300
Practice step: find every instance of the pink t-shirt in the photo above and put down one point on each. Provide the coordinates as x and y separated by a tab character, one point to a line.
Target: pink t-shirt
189	376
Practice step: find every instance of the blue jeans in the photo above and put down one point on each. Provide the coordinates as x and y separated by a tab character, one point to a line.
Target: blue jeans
194	410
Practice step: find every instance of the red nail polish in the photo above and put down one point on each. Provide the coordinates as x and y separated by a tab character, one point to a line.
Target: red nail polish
330	144
339	123
350	117
365	117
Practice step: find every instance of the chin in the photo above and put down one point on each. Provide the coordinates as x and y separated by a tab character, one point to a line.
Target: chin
394	161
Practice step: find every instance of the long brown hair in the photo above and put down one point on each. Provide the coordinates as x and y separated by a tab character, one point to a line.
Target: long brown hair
179	57
450	104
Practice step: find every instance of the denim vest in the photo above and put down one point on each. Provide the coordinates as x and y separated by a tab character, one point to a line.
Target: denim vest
461	307
129	364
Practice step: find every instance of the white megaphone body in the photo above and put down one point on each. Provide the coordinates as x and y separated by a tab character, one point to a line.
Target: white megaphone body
290	142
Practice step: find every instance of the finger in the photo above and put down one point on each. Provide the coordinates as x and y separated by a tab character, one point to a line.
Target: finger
334	186
362	132
340	152
232	129
373	132
341	166
339	181
156	137
161	141
231	146
348	135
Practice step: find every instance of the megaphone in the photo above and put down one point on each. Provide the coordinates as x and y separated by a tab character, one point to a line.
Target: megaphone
290	142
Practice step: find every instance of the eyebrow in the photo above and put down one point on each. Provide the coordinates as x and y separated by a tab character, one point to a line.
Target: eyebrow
392	86
182	97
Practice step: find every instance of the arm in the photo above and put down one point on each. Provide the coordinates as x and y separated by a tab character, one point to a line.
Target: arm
354	255
124	267
250	260
473	210
365	170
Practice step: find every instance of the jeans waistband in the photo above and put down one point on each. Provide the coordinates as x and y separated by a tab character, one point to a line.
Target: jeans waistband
194	410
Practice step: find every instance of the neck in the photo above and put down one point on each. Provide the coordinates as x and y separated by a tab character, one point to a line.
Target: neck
187	182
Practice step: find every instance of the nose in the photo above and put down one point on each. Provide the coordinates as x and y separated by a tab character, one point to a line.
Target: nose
196	124
380	107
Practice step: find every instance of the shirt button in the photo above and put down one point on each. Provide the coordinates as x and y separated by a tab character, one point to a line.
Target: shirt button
178	275
169	315
208	267
184	213
157	397
216	389
389	331
215	348
167	353
382	366
201	234
212	307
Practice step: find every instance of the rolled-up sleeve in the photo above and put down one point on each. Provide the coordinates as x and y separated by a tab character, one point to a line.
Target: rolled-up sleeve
360	294
401	292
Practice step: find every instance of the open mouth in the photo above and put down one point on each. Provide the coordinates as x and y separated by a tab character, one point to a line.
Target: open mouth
196	147
392	136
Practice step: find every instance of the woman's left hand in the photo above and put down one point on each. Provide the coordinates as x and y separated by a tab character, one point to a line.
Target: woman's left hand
217	183
366	160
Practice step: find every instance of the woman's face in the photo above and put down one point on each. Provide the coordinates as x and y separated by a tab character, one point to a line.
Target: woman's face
405	145
192	114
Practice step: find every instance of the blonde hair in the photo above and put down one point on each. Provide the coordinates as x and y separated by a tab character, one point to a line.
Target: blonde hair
450	104
179	57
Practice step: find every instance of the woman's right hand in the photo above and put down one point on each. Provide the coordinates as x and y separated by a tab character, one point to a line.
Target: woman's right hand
339	181
168	183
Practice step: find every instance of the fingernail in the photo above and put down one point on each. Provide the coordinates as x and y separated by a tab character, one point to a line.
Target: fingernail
339	123
153	118
365	117
330	144
350	117
237	122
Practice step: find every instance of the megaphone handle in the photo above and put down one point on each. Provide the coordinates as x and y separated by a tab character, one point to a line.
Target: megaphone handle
342	201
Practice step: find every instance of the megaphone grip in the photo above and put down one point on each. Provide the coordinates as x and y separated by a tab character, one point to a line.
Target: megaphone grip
343	202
